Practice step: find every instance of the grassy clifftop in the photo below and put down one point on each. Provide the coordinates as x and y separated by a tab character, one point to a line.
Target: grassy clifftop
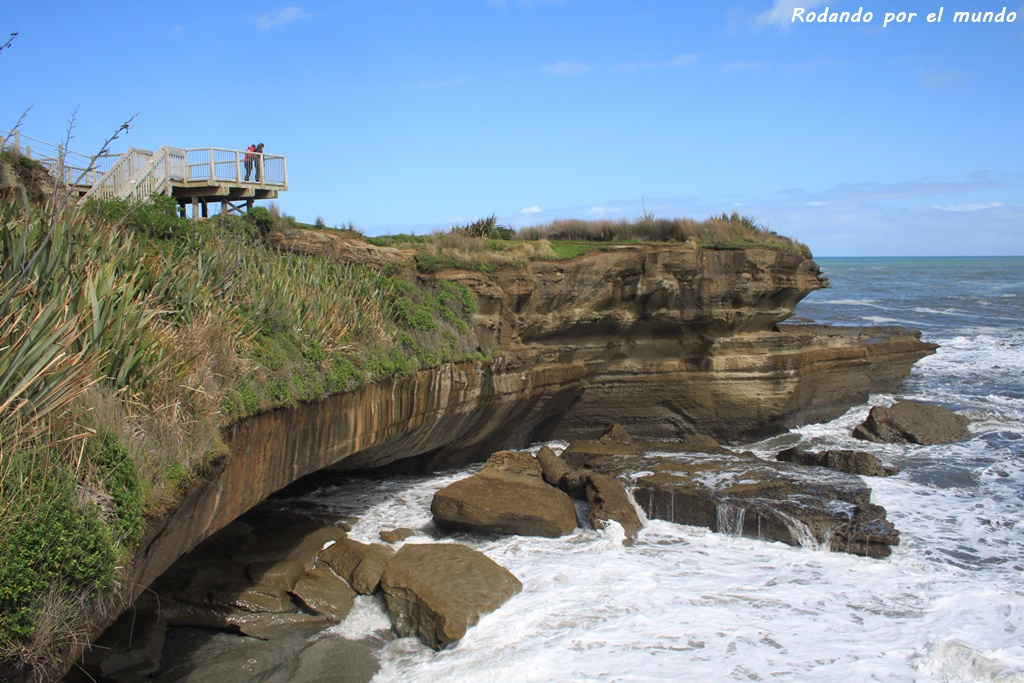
130	338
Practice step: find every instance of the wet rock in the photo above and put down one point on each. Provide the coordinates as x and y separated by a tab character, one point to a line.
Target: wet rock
689	443
129	650
183	613
266	626
360	564
512	463
557	472
325	593
396	535
913	422
744	495
507	496
615	433
610	502
851	462
553	468
582	451
259	598
280	574
437	591
308	551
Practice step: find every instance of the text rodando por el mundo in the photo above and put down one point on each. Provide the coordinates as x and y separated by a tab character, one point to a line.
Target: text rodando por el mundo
862	16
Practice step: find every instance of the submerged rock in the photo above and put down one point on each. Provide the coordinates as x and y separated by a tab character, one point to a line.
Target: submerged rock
851	462
913	422
507	496
437	591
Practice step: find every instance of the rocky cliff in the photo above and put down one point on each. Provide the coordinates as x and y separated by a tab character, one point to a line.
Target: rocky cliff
665	340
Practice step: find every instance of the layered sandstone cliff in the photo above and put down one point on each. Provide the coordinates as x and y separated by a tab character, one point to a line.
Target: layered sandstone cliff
667	340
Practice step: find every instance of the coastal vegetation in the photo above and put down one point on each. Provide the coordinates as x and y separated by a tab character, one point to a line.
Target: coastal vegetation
485	245
131	338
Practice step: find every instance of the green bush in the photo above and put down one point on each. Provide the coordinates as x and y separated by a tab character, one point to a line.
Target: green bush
261	219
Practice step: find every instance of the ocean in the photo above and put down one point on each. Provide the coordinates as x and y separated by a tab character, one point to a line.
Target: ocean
685	604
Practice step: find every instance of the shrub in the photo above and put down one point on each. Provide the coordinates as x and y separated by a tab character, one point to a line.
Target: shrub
261	219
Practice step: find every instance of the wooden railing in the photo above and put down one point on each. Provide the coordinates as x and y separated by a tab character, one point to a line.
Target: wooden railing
138	173
228	166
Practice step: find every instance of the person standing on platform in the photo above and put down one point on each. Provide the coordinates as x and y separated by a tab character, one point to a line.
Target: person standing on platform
259	160
250	157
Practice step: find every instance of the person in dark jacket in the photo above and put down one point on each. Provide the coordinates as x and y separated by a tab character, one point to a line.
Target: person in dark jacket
259	160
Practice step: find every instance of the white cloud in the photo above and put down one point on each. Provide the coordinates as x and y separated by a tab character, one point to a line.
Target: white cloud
531	209
565	68
781	13
270	20
982	206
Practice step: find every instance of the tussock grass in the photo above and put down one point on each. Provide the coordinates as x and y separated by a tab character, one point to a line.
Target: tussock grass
724	231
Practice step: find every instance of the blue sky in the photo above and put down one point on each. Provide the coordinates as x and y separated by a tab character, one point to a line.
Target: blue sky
412	115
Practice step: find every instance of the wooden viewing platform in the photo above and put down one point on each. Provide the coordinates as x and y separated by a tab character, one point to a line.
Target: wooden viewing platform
194	177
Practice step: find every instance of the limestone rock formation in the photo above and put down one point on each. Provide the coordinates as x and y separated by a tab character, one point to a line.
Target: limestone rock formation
507	496
437	591
913	422
851	462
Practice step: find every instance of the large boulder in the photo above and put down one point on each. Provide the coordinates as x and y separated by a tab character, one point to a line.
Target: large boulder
507	496
436	591
851	462
914	422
